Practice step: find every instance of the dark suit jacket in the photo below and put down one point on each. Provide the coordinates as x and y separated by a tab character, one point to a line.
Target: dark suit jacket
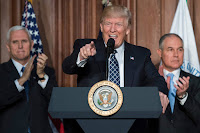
138	71
186	118
15	113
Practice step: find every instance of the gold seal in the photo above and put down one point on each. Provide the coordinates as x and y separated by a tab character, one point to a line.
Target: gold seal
105	98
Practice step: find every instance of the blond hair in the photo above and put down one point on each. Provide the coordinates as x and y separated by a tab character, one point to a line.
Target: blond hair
116	11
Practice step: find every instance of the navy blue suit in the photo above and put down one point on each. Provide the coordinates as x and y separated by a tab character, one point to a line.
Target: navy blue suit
138	67
138	71
16	115
186	118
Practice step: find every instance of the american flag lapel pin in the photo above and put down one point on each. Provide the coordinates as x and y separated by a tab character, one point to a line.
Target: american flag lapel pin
132	58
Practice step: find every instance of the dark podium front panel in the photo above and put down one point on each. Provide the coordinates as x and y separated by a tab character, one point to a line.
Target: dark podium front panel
72	103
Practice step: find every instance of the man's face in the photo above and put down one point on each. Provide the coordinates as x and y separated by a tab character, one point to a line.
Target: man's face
116	28
19	46
172	53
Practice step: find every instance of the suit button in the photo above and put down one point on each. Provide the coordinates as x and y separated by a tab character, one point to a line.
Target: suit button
172	121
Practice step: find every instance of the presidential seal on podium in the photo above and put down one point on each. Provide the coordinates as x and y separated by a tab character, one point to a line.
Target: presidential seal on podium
105	98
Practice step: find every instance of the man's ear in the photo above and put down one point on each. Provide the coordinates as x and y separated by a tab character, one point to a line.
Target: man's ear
159	52
8	47
128	31
101	26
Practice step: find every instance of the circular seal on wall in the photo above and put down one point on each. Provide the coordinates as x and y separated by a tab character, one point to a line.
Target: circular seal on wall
105	98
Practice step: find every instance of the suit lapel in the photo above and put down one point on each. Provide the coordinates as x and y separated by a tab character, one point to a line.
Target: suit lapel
129	65
13	74
182	74
100	57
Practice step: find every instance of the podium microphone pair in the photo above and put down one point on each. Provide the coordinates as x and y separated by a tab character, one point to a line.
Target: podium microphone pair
110	50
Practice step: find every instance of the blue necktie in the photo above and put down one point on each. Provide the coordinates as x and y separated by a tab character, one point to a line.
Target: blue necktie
114	75
172	92
26	86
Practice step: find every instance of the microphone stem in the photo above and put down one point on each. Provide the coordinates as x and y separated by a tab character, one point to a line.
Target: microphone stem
107	66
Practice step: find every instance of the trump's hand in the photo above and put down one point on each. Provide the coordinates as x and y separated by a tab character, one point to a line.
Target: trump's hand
87	51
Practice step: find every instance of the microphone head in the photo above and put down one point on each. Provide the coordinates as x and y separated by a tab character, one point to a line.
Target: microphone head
110	45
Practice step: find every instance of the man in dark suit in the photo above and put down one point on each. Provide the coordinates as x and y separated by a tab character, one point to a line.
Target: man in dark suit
88	59
24	95
184	115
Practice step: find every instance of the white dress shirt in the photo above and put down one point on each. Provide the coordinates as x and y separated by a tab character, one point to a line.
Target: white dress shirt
175	78
19	68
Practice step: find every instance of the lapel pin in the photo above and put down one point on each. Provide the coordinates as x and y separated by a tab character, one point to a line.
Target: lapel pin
131	57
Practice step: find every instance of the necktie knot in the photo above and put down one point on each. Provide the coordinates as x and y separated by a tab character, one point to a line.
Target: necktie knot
115	51
171	75
113	54
23	68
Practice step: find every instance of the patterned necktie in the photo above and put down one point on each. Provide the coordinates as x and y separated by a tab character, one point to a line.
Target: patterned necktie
26	86
172	92
114	75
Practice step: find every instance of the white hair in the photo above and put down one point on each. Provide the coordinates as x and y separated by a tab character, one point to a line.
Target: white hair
15	28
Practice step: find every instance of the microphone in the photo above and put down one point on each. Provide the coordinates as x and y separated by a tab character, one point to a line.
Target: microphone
110	46
110	49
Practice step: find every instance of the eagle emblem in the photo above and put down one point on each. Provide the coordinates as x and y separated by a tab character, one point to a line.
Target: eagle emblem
105	98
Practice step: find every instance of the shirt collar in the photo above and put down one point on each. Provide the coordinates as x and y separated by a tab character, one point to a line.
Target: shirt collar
120	49
175	72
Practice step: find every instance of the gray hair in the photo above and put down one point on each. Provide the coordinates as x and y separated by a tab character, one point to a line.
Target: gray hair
15	28
161	41
116	11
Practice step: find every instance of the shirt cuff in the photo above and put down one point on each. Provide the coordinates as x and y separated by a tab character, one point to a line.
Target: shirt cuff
44	83
19	87
182	101
80	63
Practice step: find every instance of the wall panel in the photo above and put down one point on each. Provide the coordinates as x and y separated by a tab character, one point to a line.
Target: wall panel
148	25
61	22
